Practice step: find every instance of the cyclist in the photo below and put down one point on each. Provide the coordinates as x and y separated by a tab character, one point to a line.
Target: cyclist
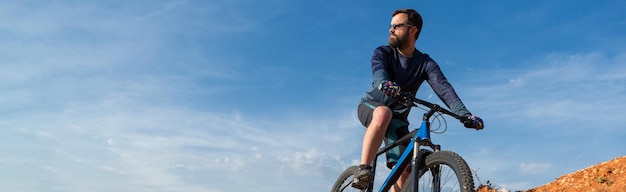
397	67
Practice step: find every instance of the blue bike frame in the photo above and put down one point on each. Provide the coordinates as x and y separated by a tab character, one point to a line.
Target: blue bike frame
418	138
422	136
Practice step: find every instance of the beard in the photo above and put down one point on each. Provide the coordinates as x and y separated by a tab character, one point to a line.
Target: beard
393	41
396	41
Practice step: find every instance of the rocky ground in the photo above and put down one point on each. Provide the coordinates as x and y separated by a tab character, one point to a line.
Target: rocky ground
608	176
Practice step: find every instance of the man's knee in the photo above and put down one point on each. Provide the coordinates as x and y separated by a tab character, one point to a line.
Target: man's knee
382	113
380	119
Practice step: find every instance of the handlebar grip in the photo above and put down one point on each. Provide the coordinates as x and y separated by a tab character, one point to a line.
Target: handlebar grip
467	122
472	123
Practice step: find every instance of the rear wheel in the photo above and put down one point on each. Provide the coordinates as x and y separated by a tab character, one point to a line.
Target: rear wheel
444	171
344	182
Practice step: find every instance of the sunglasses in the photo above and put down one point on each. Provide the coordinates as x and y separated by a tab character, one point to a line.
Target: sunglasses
395	26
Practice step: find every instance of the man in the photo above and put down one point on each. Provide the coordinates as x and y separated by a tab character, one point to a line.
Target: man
399	67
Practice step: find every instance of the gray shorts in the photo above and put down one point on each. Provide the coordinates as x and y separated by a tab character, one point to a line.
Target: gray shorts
398	127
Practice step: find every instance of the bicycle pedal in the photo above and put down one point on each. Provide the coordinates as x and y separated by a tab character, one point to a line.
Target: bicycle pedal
359	185
361	182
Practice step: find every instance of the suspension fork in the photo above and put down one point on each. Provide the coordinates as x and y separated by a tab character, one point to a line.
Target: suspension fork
414	164
423	138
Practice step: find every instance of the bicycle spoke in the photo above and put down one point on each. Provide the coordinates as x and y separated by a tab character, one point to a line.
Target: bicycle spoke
440	179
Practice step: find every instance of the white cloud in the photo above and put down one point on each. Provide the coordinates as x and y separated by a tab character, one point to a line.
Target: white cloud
534	168
304	163
516	82
102	111
545	102
559	89
147	146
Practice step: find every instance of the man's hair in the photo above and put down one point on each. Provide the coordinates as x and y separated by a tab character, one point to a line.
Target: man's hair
415	19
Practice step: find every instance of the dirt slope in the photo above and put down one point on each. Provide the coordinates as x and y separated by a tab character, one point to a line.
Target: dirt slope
608	176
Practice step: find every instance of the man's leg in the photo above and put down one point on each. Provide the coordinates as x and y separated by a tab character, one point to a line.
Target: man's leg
374	134
400	183
373	138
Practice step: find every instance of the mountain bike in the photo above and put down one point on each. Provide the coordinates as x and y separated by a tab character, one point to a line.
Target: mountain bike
435	170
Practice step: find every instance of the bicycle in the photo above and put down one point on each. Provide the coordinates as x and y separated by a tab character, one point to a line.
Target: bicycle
442	166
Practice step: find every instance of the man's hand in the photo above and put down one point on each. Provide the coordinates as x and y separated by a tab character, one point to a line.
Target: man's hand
390	88
474	122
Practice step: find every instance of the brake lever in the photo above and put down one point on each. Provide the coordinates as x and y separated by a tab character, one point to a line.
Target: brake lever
405	99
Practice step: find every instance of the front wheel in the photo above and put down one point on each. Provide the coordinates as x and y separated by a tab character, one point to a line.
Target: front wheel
444	171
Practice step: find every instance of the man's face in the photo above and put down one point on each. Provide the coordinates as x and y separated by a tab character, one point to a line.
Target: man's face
399	31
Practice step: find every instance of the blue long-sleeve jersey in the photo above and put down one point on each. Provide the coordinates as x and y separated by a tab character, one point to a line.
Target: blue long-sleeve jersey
409	74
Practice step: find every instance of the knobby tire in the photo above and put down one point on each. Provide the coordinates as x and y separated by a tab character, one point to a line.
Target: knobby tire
344	181
448	163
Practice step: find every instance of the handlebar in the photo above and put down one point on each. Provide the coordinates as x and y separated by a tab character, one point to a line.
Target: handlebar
410	101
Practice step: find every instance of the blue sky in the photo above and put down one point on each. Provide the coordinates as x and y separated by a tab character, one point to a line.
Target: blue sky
245	95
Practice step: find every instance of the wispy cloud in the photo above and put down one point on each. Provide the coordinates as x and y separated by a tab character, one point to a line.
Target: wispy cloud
545	100
534	168
560	87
